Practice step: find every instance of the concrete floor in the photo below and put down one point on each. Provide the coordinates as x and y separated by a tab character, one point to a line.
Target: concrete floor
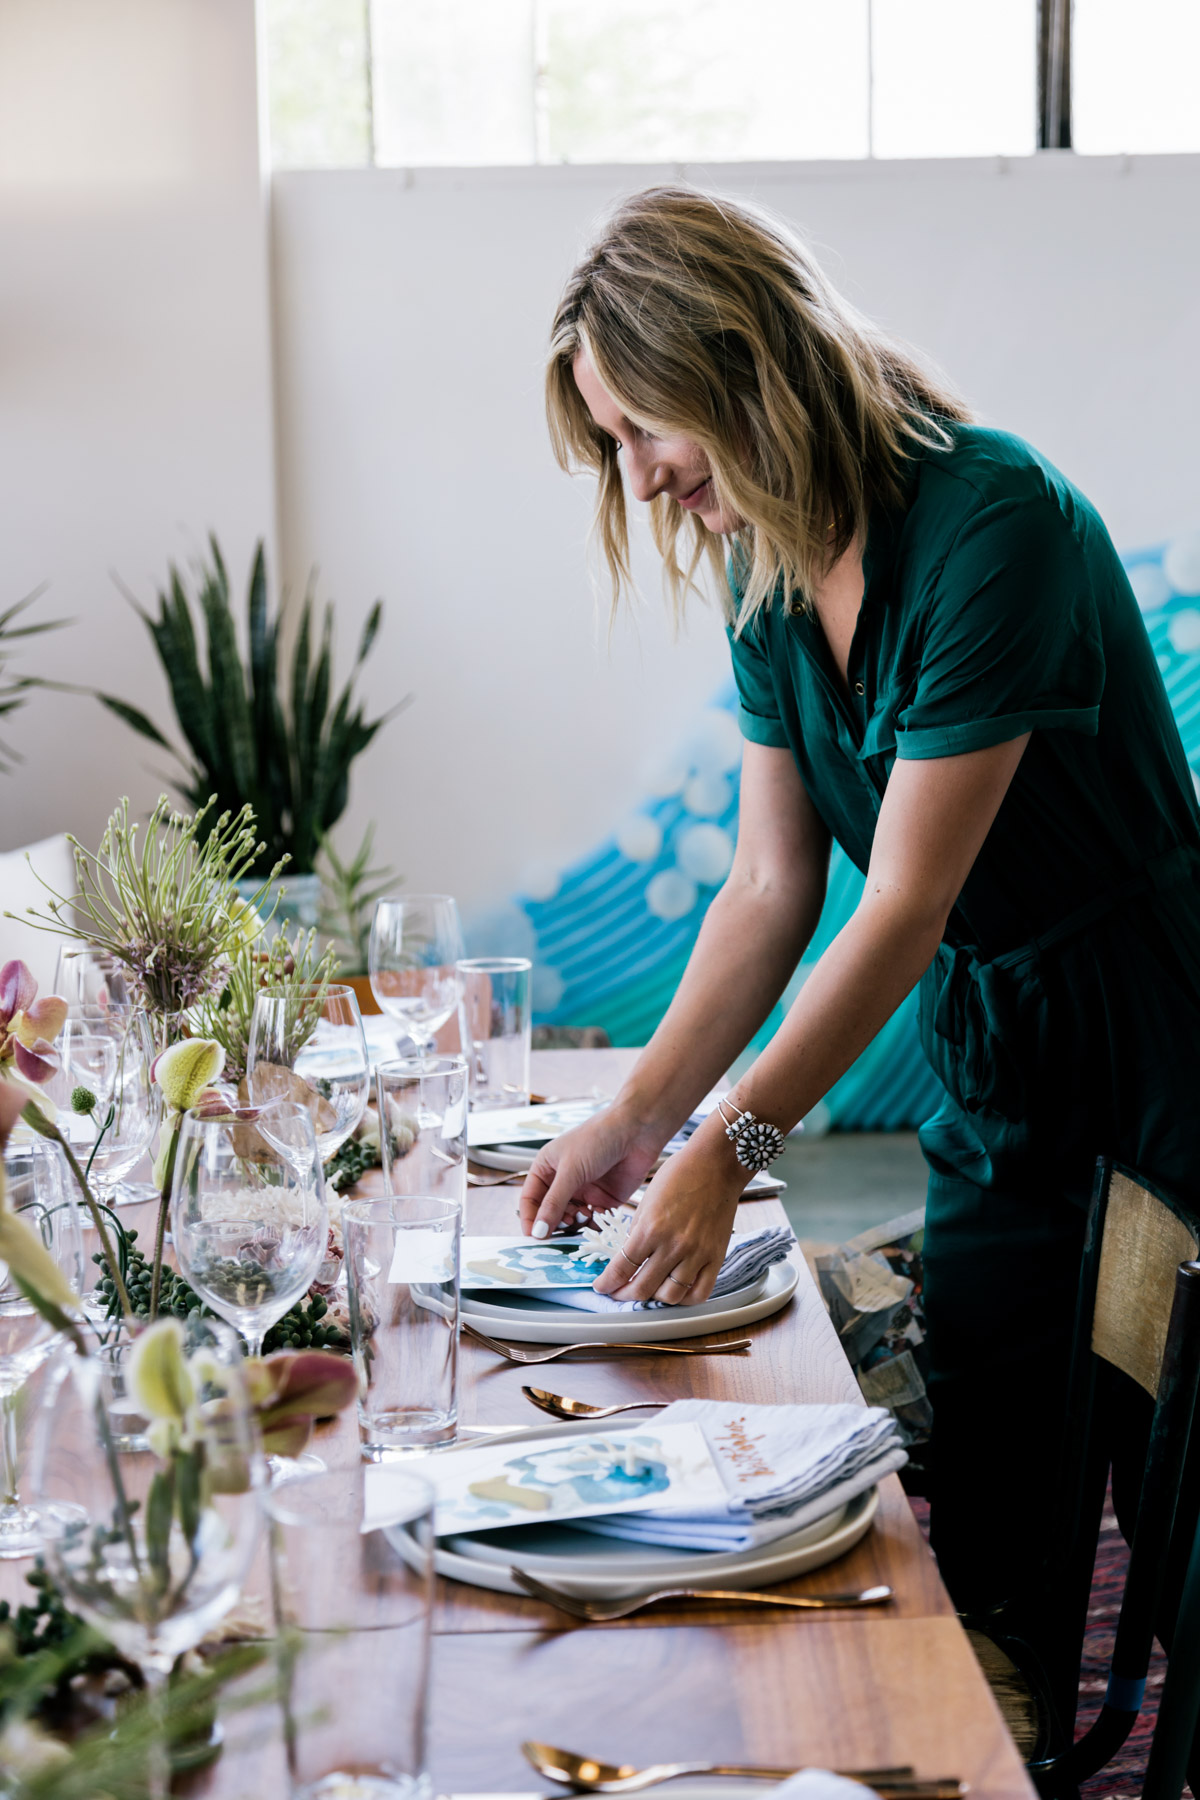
840	1184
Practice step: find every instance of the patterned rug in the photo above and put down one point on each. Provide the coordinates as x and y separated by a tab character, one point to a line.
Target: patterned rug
1123	1778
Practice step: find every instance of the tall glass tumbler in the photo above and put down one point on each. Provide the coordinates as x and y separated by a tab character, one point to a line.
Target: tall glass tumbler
422	1103
496	1026
402	1261
351	1594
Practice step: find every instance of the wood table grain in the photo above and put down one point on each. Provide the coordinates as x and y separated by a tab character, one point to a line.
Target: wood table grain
706	1682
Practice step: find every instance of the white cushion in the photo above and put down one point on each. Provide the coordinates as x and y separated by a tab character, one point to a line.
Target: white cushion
19	890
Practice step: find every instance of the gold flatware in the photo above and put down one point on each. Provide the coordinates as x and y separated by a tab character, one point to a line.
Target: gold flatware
511	1179
561	1406
588	1776
518	1354
603	1612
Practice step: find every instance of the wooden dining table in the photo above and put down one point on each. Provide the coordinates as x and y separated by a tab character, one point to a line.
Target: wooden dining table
693	1680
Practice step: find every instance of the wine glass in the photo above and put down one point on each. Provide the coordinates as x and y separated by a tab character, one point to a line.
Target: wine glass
415	943
156	1547
40	1189
248	1213
315	1054
109	1051
85	976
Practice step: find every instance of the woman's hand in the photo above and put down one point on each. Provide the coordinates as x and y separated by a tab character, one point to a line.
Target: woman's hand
589	1169
681	1232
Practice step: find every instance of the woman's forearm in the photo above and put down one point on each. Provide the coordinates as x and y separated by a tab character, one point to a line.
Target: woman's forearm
745	954
873	963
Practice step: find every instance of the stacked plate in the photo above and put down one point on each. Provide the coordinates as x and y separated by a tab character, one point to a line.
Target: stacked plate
522	1317
600	1568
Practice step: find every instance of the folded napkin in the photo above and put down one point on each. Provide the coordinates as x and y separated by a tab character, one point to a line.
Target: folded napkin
750	1255
783	1467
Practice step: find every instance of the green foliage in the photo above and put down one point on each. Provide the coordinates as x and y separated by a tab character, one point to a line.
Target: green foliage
62	1735
301	1328
283	962
349	893
14	689
258	734
351	1162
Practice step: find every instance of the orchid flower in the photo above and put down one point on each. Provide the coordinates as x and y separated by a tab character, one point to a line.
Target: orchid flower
28	1059
22	1252
292	1389
286	1392
28	1025
185	1072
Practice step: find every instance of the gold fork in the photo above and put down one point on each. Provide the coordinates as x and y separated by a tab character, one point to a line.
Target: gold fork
517	1354
604	1612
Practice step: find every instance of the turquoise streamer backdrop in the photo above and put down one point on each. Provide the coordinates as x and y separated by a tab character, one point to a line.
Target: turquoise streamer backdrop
605	956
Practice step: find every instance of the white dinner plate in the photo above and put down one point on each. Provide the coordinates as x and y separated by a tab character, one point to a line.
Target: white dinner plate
640	1568
524	1319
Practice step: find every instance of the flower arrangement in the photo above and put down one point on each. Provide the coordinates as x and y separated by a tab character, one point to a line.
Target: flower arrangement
294	964
163	900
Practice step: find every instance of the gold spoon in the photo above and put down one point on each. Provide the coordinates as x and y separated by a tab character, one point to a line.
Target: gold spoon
588	1776
561	1406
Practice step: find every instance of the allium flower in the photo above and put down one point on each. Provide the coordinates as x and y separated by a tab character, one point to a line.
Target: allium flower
28	1025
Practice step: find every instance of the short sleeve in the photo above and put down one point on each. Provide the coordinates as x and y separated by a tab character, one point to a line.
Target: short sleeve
1013	640
758	709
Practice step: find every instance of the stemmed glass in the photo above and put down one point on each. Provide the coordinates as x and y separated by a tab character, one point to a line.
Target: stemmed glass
415	942
149	1554
248	1213
86	976
40	1188
109	1051
313	1052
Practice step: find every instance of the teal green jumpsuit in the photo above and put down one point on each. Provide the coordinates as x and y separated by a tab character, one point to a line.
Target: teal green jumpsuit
1062	1010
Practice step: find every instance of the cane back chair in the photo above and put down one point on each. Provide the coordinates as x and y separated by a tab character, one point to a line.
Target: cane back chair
1138	1312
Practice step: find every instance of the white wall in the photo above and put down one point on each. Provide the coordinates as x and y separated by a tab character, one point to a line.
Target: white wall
135	399
1063	296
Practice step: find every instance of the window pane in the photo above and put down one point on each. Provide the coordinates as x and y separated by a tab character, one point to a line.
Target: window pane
318	86
453	81
955	77
1136	75
703	80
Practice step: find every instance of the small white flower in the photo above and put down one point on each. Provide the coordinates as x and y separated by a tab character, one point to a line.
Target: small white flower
604	1238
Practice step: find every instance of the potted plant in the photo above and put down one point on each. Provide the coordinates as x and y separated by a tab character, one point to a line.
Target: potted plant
259	733
349	893
14	689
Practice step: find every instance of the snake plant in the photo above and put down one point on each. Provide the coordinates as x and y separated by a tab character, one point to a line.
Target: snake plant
258	733
14	689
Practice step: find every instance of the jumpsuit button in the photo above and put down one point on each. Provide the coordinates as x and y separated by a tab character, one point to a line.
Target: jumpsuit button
859	688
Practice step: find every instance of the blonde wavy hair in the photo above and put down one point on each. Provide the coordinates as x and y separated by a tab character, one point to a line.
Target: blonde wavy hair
706	318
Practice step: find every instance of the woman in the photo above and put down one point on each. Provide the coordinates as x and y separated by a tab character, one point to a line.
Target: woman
941	666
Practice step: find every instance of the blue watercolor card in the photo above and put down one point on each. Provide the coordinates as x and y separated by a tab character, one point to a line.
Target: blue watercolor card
546	1480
